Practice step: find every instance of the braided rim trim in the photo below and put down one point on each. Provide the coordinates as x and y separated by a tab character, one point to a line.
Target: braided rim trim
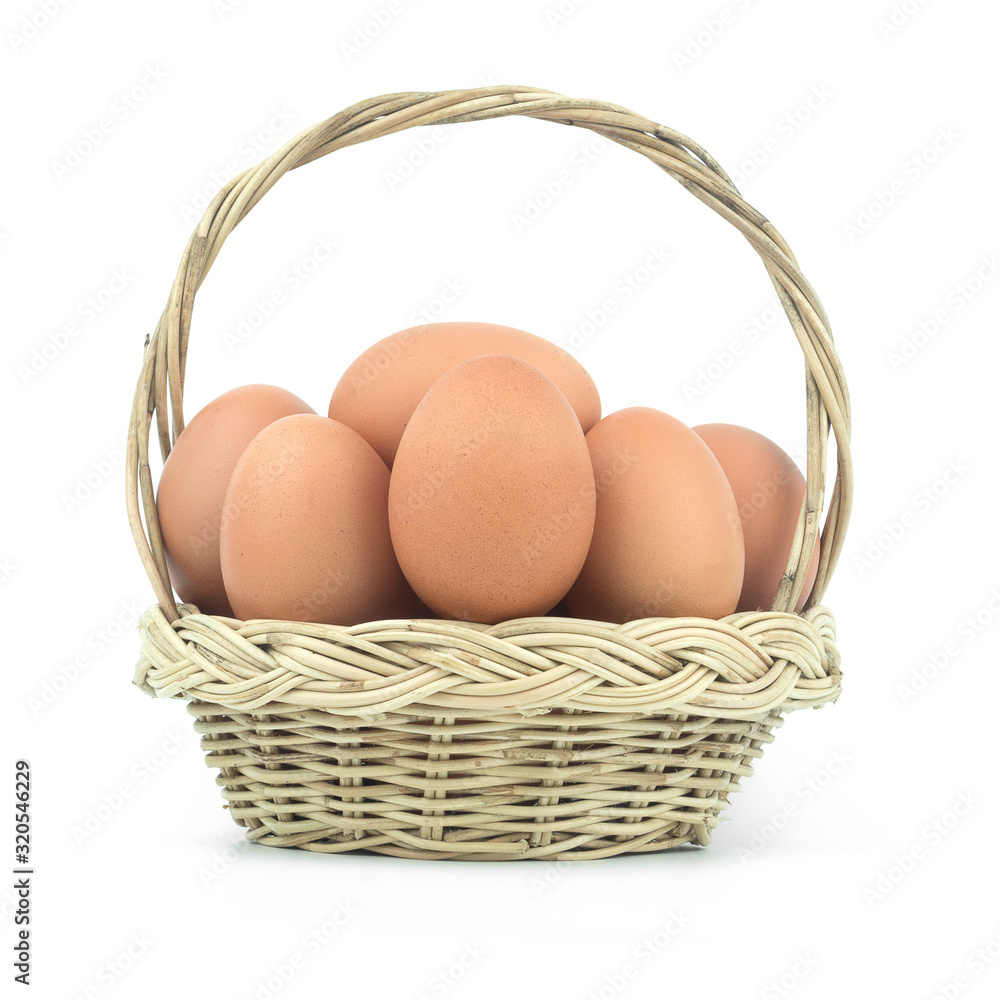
740	667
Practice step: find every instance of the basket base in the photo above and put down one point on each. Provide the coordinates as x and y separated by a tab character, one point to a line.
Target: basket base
558	786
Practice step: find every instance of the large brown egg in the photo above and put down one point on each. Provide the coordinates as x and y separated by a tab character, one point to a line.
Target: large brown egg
769	488
381	389
491	501
305	532
667	536
193	486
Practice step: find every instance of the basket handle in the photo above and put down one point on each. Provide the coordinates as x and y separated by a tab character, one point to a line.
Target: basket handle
160	389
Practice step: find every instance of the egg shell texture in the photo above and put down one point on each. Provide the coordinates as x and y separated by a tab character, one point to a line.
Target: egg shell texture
380	390
491	501
667	537
305	534
769	489
194	481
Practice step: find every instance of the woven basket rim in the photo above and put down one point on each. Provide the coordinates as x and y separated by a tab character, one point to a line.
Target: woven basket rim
742	667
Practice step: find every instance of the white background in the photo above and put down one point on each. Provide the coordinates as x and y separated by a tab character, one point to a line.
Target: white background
861	856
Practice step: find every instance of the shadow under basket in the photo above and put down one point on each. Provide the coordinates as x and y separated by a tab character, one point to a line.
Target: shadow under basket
545	738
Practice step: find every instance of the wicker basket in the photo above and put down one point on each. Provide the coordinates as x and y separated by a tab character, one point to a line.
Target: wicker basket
546	737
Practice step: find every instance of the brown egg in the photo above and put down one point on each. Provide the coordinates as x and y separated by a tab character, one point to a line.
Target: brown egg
193	486
305	533
769	489
667	537
381	389
491	501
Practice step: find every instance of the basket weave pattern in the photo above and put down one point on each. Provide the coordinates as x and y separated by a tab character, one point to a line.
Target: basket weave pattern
540	738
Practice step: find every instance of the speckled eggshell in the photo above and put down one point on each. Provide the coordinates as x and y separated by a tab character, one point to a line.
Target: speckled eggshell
305	532
667	537
491	500
380	390
193	486
769	488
